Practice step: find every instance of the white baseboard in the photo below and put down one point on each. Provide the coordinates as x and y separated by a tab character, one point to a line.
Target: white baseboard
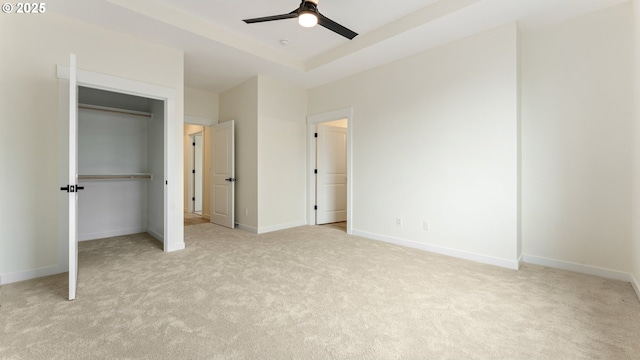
248	228
579	268
156	235
30	274
175	247
108	234
268	229
485	259
635	285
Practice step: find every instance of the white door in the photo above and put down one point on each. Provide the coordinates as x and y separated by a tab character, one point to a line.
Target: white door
223	174
197	180
71	187
331	185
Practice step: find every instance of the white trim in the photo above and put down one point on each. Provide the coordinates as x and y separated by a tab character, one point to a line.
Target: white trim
156	235
108	234
31	274
198	120
575	267
248	228
485	259
173	200
312	124
635	285
268	229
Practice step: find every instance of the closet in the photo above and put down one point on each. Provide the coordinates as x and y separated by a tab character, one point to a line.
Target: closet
120	164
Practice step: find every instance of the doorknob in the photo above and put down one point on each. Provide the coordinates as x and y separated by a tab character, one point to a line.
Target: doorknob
72	188
230	179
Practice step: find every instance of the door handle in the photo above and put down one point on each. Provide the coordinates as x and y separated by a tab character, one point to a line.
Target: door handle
72	188
230	179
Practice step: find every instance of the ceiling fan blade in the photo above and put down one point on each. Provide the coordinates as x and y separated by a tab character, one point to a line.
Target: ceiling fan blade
335	27
291	15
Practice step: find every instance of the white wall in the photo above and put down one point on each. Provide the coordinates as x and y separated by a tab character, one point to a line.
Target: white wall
241	104
112	143
435	139
203	105
576	140
28	106
282	177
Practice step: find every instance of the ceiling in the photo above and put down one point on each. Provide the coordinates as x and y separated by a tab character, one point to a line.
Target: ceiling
221	51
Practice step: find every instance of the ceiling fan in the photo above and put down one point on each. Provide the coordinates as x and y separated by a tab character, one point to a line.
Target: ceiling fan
308	16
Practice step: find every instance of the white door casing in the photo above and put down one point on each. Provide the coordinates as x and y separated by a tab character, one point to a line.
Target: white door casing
223	174
331	180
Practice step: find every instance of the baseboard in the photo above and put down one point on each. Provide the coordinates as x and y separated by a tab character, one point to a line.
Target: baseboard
505	263
268	229
206	216
108	234
30	274
579	268
248	228
175	247
155	235
636	286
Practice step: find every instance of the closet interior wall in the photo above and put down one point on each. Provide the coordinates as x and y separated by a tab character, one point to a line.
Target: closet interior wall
120	164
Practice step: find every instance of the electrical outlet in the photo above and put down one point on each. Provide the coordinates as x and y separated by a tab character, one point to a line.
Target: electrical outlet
398	221
426	226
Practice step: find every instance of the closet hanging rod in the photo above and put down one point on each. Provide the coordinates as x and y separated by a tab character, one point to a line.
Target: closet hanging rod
115	110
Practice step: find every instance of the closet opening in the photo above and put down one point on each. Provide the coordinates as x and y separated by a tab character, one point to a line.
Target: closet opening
121	164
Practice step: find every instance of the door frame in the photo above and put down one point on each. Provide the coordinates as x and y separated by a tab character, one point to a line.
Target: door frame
205	122
191	164
173	238
312	124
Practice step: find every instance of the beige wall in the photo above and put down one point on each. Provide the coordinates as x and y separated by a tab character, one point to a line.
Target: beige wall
241	104
282	160
204	105
201	103
577	140
437	143
31	47
636	148
343	123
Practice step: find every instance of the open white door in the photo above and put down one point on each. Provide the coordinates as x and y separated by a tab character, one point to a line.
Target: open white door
72	185
331	186
223	174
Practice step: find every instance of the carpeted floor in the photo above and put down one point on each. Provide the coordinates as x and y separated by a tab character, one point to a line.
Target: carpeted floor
310	293
194	219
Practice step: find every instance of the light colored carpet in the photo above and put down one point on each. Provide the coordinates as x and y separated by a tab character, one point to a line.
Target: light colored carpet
310	293
194	219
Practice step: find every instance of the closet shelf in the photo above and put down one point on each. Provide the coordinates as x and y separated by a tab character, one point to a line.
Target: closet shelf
136	176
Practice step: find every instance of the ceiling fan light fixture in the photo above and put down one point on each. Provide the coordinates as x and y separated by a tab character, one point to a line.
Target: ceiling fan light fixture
307	19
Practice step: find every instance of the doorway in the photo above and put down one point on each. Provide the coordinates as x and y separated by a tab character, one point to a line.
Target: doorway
330	189
194	168
70	78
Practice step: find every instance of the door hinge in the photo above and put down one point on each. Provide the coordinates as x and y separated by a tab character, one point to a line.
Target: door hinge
193	198
315	135
194	144
193	171
315	171
315	207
